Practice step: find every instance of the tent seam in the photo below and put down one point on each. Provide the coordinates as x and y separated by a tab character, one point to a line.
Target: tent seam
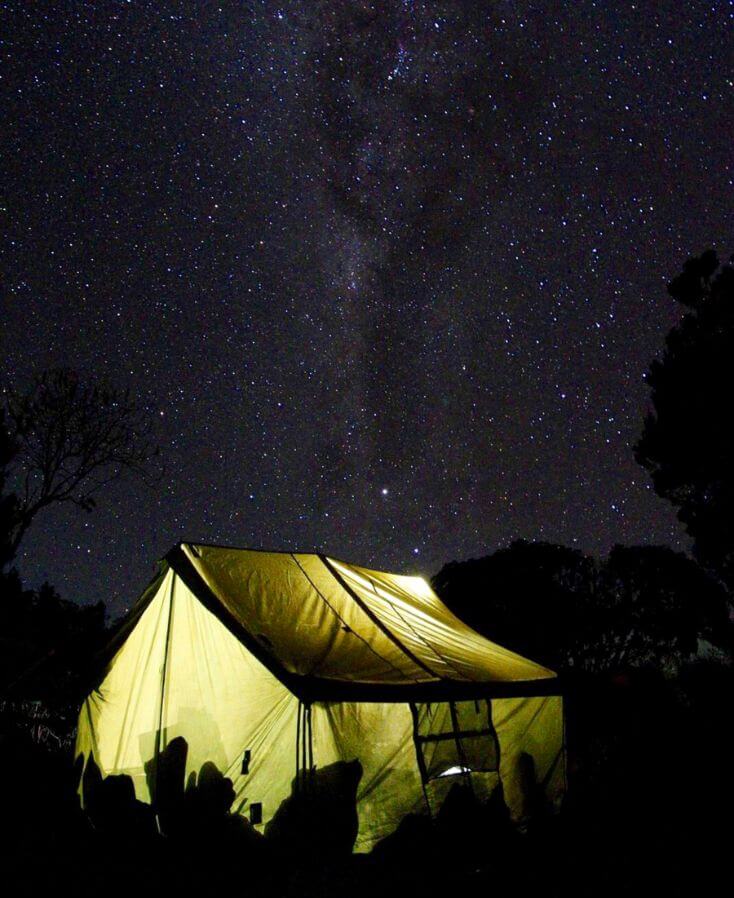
420	637
376	620
343	622
163	693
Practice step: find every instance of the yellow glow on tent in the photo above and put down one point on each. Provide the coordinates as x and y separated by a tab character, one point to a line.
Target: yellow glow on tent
189	665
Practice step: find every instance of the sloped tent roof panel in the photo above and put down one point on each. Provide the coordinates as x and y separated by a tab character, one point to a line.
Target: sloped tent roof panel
293	607
438	639
316	616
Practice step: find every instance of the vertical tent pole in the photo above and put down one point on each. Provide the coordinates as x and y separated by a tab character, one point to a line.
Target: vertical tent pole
297	780
158	734
310	743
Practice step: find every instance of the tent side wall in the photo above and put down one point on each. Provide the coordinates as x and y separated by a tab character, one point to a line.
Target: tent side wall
181	673
380	736
532	752
119	720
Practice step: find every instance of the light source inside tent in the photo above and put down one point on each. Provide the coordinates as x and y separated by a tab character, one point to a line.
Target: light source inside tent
454	771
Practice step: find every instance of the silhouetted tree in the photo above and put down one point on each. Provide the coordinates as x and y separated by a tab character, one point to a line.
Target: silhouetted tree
64	440
60	441
531	597
687	443
656	605
562	608
8	501
47	647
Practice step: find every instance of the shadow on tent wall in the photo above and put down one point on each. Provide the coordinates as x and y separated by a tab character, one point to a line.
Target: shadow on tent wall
320	815
316	823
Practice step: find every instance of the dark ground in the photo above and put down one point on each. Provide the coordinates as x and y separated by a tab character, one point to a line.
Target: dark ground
646	813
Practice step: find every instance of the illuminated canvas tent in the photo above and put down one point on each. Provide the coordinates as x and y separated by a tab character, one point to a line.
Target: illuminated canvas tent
275	666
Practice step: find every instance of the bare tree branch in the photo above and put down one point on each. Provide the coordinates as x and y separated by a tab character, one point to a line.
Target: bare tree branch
70	440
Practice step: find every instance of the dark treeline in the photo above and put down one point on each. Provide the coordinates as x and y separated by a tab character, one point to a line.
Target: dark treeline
644	604
641	605
642	638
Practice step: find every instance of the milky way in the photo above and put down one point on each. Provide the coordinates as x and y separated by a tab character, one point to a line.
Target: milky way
387	275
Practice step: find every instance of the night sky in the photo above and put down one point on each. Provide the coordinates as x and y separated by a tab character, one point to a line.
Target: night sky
388	275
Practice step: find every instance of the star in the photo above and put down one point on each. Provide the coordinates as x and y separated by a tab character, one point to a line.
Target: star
323	246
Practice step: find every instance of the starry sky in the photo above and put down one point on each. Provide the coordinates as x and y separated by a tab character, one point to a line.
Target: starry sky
387	275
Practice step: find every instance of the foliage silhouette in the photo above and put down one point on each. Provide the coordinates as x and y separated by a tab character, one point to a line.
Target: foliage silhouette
8	501
48	646
640	605
528	597
63	441
198	809
657	605
113	808
60	442
687	442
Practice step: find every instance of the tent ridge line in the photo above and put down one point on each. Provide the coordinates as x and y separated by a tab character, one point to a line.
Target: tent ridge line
375	620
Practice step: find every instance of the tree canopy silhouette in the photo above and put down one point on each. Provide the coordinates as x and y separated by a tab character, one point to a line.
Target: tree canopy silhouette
62	440
527	597
687	443
8	501
640	605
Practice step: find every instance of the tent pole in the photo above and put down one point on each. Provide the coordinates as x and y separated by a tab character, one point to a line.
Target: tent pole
465	772
310	742
307	747
304	722
159	733
297	780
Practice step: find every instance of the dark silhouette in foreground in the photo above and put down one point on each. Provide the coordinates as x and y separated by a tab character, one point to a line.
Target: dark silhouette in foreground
647	790
320	815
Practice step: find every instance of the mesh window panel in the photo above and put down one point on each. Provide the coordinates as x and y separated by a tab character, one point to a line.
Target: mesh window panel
455	737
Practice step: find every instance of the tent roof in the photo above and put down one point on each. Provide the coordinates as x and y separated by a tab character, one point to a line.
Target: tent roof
331	629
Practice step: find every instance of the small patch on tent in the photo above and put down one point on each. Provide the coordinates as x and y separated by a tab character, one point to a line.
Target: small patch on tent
246	761
256	813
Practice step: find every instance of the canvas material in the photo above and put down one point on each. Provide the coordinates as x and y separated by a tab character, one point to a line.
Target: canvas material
181	673
323	617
